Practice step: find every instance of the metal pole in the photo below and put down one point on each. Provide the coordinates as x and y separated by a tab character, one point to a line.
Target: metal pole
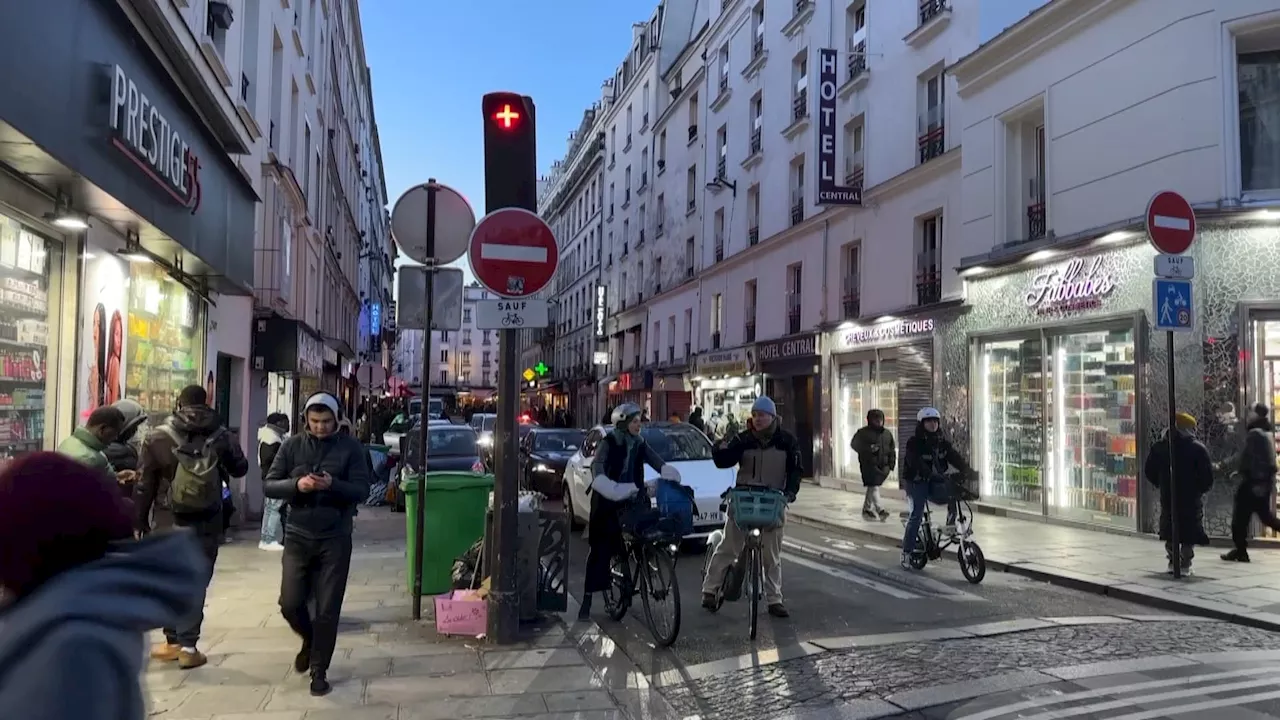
420	512
1175	554
504	616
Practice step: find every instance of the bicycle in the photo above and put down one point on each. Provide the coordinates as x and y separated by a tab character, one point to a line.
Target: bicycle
933	541
752	510
651	542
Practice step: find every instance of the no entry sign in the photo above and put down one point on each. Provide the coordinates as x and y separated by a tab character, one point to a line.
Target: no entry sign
1171	223
513	252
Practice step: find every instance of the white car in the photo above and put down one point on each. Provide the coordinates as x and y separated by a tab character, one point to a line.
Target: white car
679	444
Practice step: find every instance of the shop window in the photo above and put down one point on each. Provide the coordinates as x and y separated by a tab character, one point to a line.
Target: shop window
1258	77
1010	417
864	385
30	272
164	341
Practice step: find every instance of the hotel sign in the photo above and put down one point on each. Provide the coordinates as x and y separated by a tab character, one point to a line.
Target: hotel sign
600	302
144	134
788	348
1074	285
884	332
830	192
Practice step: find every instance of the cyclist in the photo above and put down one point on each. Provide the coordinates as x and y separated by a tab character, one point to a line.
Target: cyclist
927	458
617	477
767	456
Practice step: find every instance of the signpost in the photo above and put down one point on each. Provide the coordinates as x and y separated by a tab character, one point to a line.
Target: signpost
513	253
1171	228
431	223
512	314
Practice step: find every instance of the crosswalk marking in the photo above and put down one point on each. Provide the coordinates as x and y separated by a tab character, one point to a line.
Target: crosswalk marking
927	584
850	577
1016	709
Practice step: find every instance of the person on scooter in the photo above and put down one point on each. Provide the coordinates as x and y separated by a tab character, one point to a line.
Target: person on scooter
767	457
617	479
927	458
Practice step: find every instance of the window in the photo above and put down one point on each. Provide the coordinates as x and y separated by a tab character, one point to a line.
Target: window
753	214
717	315
644	112
853	154
642	223
444	336
1258	76
855	28
929	260
724	68
626	235
613	146
749	311
626	187
851	279
1024	158
657	275
722	150
660	216
485	358
466	358
718	225
757	123
800	86
797	190
444	356
688	259
484	337
691	189
444	377
662	151
629	128
484	379
693	118
757	30
644	168
671	338
795	281
932	138
466	337
466	315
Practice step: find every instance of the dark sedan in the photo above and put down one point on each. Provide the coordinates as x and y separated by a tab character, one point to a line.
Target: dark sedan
543	455
450	448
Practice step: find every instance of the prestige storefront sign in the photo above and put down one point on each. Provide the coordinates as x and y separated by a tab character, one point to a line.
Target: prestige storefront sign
144	134
1074	285
883	332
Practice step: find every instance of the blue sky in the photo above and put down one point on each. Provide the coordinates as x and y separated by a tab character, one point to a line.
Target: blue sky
432	61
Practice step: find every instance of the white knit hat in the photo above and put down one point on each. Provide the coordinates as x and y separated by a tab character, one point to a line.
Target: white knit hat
323	399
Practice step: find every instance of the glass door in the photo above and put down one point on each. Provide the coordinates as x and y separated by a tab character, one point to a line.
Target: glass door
870	381
1010	417
1093	471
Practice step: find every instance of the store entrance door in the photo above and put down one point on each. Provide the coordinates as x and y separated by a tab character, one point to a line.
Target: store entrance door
867	381
793	396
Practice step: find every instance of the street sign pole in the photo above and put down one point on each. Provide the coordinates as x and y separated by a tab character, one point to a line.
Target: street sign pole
1175	551
419	530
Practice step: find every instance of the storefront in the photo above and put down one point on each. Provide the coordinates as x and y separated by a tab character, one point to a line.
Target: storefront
793	379
288	361
673	394
725	384
887	366
135	187
633	386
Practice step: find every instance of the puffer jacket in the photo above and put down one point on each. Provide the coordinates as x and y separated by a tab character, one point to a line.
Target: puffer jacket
877	454
928	457
1195	478
158	463
324	513
1257	460
770	460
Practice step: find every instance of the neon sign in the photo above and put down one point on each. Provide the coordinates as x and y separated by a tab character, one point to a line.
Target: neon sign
1074	285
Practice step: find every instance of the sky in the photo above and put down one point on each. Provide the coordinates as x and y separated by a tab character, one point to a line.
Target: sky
432	61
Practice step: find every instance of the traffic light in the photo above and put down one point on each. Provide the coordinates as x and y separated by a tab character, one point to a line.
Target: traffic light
510	152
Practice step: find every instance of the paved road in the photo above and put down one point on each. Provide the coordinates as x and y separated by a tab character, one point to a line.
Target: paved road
838	587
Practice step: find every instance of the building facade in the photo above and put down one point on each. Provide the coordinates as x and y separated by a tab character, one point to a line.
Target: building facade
464	362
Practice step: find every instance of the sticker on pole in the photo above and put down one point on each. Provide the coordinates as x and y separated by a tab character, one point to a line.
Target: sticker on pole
1172	304
1171	223
513	252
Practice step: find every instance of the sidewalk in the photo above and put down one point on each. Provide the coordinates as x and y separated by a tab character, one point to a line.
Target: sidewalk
1125	567
387	667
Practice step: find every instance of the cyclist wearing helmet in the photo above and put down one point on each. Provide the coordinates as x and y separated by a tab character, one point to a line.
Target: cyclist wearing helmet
767	457
927	458
617	477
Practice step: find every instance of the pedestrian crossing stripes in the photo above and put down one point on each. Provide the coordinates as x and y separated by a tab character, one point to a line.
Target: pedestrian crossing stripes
894	584
1167	697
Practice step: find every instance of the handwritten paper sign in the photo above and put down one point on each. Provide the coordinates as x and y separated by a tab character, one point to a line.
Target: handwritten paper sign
461	616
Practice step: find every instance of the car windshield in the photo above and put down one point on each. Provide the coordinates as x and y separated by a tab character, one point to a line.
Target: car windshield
451	442
558	440
675	443
487	423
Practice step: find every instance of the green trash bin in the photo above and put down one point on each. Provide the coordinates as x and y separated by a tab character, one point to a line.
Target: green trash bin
454	516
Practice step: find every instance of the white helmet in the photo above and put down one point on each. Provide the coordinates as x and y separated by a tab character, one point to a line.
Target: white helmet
624	412
928	414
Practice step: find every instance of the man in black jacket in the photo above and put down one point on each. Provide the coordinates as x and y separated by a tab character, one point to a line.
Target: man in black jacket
192	436
322	476
1256	465
877	459
1194	478
926	461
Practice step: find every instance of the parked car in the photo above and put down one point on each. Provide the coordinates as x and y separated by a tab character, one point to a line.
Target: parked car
544	452
392	436
450	447
680	444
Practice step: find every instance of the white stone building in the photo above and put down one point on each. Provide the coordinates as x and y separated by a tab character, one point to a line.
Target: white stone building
464	362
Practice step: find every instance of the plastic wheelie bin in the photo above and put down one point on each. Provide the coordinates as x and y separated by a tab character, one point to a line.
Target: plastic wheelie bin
455	510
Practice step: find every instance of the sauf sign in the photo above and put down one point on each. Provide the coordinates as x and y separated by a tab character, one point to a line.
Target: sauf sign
829	191
147	137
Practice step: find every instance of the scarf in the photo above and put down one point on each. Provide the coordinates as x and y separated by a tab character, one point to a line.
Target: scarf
629	445
764	436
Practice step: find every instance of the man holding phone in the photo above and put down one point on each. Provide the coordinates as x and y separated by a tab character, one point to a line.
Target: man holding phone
322	476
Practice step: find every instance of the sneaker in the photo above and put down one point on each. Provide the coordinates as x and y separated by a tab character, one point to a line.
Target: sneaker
1236	556
319	684
868	514
779	610
302	661
709	602
191	658
271	546
884	515
906	561
1186	571
165	652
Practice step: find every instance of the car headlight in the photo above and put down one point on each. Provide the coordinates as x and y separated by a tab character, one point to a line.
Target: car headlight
542	468
486	440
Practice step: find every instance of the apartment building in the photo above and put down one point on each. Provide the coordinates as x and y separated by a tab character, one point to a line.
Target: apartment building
572	204
464	362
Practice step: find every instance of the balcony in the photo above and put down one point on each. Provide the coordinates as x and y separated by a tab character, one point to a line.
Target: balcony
671	353
613	159
640	240
688	272
644	122
797	206
720	165
800	106
1036	225
934	16
853	170
758	56
715	340
851	297
753	235
693	133
719	247
691	206
928	286
659	228
749	331
793	313
803	12
644	180
757	47
932	138
627	145
857	75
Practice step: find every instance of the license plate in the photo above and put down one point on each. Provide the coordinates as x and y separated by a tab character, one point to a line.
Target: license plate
707	518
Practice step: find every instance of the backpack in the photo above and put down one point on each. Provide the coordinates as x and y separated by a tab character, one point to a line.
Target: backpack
197	482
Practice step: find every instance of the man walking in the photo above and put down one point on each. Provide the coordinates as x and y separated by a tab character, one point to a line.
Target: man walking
1257	469
1194	478
877	458
270	437
183	461
322	475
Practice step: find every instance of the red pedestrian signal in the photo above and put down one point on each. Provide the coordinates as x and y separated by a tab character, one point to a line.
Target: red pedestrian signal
507	118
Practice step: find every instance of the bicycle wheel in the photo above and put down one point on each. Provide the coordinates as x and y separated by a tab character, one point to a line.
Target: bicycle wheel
973	564
617	599
658	583
754	569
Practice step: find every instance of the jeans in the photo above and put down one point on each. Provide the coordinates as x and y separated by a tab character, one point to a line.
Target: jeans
186	631
314	572
272	527
918	494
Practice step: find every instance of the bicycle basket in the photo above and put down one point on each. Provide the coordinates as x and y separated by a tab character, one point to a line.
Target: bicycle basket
675	501
756	509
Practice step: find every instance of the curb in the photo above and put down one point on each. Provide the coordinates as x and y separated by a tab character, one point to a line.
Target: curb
1087	583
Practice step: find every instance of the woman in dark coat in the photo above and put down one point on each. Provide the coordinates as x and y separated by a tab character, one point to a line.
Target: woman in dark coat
1195	478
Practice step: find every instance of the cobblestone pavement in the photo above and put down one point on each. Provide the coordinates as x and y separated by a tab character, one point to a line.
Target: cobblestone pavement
815	685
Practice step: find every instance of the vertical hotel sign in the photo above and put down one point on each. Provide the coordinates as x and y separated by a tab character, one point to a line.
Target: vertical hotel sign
829	192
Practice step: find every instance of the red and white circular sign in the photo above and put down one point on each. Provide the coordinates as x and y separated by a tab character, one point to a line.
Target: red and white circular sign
513	252
1171	223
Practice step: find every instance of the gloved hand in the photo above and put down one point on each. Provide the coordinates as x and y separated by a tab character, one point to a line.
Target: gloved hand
670	472
614	491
